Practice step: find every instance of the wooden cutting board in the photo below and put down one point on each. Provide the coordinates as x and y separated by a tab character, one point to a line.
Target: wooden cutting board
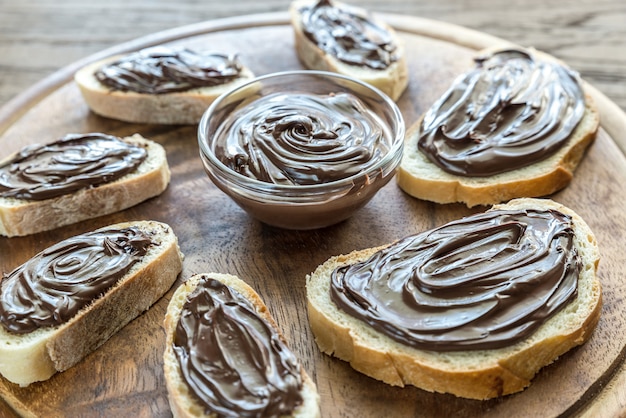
124	377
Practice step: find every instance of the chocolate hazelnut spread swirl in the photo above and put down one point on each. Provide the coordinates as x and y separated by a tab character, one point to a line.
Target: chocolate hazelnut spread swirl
349	34
234	362
302	139
162	70
50	288
486	281
72	163
511	111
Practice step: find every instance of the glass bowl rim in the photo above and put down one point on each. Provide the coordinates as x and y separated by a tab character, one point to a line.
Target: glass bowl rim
258	186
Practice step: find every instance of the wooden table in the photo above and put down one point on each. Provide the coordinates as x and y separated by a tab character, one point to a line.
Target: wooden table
39	37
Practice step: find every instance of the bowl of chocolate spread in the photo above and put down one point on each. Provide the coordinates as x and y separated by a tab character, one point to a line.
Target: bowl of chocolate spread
301	149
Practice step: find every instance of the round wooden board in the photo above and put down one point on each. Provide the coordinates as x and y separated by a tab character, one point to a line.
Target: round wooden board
124	377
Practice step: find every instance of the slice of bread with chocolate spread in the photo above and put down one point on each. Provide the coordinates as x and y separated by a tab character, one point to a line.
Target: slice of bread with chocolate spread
368	49
517	125
473	308
159	85
68	300
78	177
241	366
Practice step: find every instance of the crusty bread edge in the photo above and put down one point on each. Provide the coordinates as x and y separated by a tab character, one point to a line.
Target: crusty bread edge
60	348
186	107
19	217
504	371
181	401
549	175
392	81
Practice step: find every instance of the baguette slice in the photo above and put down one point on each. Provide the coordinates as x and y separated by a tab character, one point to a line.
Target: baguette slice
182	401
475	374
185	107
20	217
36	356
421	178
392	81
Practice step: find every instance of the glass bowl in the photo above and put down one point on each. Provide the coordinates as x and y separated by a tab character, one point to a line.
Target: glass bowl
304	123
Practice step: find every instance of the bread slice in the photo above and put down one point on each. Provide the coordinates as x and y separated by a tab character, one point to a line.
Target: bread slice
185	107
39	354
476	374
23	217
421	178
392	81
182	401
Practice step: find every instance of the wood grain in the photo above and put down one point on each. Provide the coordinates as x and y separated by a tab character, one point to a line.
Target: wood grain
124	377
37	37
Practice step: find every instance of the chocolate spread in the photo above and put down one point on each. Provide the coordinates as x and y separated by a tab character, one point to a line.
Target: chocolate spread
50	288
486	281
163	70
511	111
234	362
72	163
302	139
349	34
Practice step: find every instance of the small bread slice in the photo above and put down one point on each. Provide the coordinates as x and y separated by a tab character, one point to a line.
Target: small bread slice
476	374
184	108
38	355
392	81
182	401
20	217
421	178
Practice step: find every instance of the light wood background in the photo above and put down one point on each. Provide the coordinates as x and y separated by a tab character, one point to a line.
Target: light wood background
38	37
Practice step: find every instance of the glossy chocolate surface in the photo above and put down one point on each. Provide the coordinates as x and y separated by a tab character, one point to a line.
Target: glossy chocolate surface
234	361
482	282
302	139
512	110
72	163
50	288
349	34
162	70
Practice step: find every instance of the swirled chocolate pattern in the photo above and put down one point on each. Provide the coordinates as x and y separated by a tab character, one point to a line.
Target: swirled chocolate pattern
163	70
511	111
72	163
234	361
50	288
482	282
302	139
349	34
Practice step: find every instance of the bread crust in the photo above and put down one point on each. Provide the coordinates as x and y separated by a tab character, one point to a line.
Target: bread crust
185	107
392	81
481	374
20	217
181	400
27	358
421	178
